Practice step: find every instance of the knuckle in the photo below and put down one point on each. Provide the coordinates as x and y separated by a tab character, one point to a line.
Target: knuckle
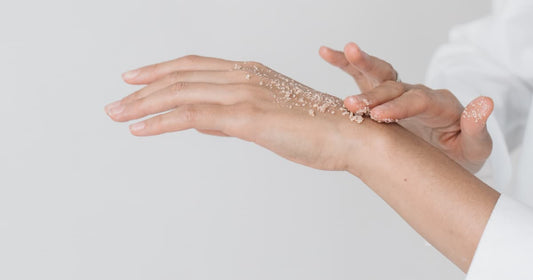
175	76
391	69
420	95
256	64
142	106
246	108
156	123
189	113
179	86
394	85
191	58
247	91
422	87
130	98
245	114
239	74
248	88
155	68
445	92
389	83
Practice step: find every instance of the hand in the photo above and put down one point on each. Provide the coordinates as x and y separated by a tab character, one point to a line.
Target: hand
244	100
367	71
435	115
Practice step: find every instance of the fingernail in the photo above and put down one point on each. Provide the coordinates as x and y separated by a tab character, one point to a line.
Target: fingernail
131	74
137	126
363	100
112	105
115	109
352	100
377	112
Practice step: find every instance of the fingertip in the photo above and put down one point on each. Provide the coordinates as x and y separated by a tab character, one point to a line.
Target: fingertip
328	55
377	114
137	129
350	103
357	104
352	49
355	55
476	114
131	75
479	109
475	136
323	51
490	104
383	113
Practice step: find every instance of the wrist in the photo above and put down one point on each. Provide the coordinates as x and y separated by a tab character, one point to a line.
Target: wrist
369	145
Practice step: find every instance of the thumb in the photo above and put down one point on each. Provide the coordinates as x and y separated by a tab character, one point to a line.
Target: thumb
475	138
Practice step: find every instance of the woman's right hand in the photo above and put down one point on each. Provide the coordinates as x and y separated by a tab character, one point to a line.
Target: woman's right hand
434	115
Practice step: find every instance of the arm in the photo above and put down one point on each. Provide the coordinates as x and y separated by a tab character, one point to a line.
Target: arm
443	202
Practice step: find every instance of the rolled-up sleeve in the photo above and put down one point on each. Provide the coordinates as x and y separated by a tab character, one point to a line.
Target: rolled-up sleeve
505	250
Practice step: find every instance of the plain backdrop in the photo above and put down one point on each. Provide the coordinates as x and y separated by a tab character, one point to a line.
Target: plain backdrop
80	198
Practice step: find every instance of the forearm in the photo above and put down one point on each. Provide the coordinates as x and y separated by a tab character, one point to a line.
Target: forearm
443	202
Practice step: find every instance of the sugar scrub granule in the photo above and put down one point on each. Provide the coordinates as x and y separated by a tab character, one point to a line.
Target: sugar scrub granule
477	111
472	114
356	118
363	111
247	77
389	120
290	93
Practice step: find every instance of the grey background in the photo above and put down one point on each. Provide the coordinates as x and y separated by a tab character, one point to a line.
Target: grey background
80	198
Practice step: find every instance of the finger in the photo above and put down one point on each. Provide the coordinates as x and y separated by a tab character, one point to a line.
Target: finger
337	58
475	139
198	116
413	102
373	67
215	77
150	73
179	94
362	103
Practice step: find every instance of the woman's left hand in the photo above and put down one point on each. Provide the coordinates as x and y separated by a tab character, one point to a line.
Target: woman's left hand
245	100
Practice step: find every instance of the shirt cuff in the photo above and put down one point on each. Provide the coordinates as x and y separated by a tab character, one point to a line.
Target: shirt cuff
505	250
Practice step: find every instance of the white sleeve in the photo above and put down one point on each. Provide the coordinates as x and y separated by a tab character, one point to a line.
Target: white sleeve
505	250
493	56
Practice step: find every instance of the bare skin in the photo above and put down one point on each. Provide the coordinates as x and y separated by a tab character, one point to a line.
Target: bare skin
434	115
447	205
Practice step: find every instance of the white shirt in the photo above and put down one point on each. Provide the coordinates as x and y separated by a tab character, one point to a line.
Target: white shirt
493	56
